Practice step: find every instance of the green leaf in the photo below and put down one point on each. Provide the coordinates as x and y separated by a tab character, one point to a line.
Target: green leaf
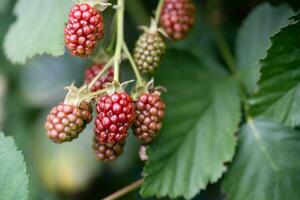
39	29
13	178
203	112
267	164
297	17
253	40
3	5
200	42
279	96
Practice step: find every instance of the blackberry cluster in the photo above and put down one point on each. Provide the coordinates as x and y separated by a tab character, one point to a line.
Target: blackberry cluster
177	18
83	30
116	111
150	110
148	51
93	71
66	122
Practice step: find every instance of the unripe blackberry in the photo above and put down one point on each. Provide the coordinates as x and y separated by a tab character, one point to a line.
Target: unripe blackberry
116	114
93	71
150	110
108	151
148	51
177	18
66	122
84	28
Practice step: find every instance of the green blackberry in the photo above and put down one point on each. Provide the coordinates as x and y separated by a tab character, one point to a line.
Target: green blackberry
148	51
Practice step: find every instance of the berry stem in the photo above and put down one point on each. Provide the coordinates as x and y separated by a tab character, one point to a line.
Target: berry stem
113	31
230	62
133	65
95	94
125	190
224	49
158	11
105	68
120	38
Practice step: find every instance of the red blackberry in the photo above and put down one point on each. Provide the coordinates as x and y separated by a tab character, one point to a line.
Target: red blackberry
66	122
150	110
177	18
108	151
116	113
84	28
93	71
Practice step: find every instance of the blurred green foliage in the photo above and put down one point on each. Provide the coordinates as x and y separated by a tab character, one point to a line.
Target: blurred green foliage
13	177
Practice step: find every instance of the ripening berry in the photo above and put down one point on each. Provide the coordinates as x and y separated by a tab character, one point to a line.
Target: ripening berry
115	115
84	29
93	71
150	110
177	18
66	122
108	151
148	51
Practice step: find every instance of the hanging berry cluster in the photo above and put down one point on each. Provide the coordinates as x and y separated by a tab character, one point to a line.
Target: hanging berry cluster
116	110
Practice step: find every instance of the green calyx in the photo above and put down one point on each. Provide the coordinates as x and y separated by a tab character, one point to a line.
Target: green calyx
116	86
100	5
77	95
146	88
153	29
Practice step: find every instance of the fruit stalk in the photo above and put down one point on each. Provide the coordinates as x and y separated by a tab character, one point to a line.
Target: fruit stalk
133	65
125	190
120	38
158	11
105	68
113	31
98	93
224	49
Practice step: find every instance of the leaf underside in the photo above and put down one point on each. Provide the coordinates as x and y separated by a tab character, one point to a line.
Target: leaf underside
31	35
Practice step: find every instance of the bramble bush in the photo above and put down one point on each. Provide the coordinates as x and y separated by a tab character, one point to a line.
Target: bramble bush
206	113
